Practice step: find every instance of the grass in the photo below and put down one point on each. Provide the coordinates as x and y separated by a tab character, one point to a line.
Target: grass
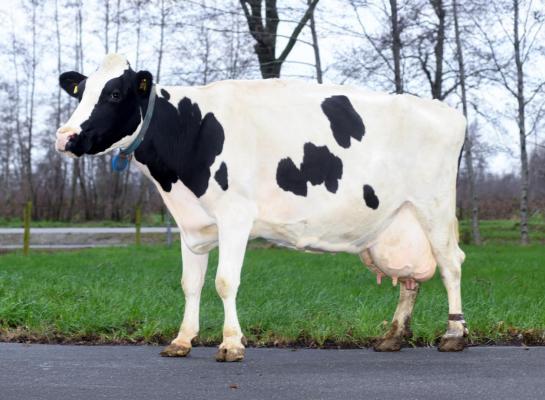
286	297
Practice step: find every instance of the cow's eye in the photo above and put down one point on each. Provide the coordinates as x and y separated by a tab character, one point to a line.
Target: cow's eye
116	95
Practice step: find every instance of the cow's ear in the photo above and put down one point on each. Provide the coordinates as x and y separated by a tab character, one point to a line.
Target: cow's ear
70	81
144	80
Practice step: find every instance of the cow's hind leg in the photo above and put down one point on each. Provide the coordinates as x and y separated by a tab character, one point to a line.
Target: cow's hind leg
450	258
451	274
400	329
194	271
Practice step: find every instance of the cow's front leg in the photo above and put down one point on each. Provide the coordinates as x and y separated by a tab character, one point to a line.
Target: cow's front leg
194	271
233	237
400	329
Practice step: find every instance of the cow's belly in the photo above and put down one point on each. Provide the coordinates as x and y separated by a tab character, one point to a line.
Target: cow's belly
340	230
298	236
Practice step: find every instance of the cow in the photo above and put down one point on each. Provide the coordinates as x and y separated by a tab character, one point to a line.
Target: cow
313	167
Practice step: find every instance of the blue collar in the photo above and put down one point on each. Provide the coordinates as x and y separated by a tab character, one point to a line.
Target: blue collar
120	161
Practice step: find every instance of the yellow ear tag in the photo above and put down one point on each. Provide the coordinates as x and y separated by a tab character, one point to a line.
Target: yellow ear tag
143	85
75	89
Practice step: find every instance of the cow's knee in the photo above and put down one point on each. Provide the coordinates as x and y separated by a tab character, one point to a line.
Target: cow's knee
226	286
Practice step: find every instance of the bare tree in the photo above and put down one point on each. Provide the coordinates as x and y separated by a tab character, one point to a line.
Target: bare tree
524	39
163	13
117	24
138	4
106	26
264	31
396	45
468	144
381	55
30	106
433	36
315	46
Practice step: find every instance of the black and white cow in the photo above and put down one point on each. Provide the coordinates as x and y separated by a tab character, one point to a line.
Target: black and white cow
316	167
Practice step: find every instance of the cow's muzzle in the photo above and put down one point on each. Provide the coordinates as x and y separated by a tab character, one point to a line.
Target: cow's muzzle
65	135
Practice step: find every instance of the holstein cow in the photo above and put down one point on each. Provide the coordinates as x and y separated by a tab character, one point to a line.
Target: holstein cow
313	167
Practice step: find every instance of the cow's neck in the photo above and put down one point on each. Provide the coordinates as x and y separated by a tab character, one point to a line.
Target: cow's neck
180	144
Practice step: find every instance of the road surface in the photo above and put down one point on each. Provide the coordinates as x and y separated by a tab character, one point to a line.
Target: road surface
83	230
79	238
52	372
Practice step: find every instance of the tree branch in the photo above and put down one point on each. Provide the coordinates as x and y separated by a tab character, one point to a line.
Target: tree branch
297	31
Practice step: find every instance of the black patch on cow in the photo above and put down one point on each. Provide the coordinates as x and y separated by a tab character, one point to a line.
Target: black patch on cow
371	199
319	166
221	176
290	178
181	144
165	94
344	121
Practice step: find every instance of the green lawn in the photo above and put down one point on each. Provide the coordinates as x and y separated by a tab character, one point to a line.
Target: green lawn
286	297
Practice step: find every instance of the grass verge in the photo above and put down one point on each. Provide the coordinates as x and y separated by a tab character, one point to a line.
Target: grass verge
132	295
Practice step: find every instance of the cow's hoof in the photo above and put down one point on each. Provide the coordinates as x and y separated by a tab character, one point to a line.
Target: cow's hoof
454	343
175	350
230	355
388	344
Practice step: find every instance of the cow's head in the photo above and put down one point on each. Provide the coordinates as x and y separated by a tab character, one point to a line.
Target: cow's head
109	110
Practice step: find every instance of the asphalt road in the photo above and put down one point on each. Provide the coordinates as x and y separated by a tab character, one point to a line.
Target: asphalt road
56	372
81	237
84	230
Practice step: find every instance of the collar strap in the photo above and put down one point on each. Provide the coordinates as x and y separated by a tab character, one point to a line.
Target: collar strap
120	161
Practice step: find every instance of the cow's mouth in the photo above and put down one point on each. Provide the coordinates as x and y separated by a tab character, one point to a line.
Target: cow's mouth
71	143
62	141
79	144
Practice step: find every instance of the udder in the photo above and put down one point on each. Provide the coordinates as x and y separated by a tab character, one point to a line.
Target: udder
402	251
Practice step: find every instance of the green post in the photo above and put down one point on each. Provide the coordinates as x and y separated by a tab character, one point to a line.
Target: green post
26	222
138	224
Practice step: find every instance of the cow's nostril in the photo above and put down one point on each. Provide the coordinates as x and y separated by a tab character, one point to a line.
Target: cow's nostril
72	136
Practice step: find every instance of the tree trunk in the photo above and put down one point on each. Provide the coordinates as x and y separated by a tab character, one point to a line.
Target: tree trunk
29	195
138	33
524	238
265	34
161	42
468	145
396	47
315	46
437	87
117	24
60	169
106	26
